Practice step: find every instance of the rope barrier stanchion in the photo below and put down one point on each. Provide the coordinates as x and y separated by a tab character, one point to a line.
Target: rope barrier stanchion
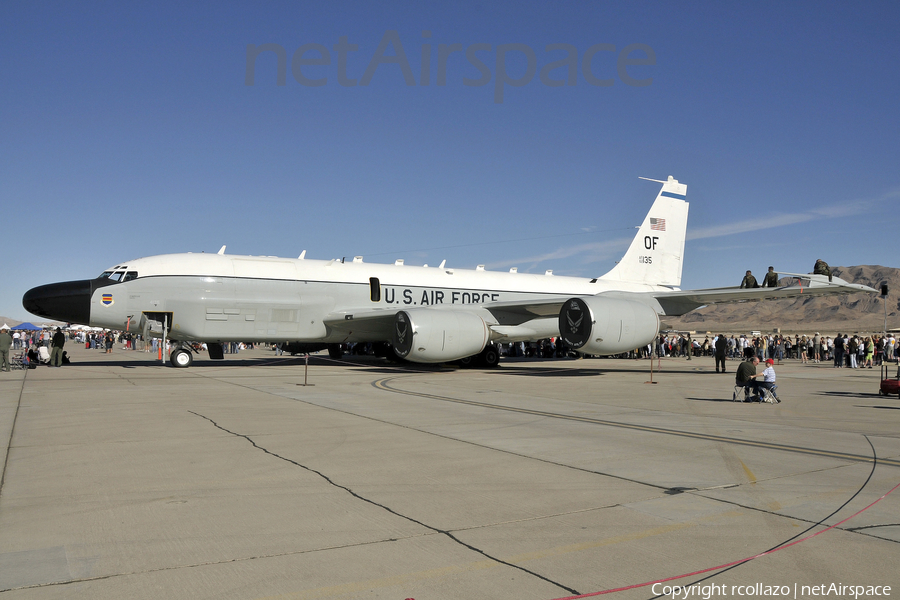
306	372
651	371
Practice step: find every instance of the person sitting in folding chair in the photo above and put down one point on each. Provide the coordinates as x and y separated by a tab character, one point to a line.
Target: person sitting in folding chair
744	382
766	388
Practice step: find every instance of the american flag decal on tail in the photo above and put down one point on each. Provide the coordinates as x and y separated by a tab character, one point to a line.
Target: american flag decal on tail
657	224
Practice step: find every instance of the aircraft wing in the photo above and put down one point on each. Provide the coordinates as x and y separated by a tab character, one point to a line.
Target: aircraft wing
522	320
677	303
380	321
516	312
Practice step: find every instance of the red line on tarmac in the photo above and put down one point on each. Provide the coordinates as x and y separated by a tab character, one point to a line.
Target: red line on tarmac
736	562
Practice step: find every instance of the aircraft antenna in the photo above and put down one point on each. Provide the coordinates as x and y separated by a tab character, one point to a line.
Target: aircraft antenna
670	180
221	251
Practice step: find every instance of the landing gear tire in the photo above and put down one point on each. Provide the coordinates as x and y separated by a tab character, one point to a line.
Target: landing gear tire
335	352
468	362
489	357
181	358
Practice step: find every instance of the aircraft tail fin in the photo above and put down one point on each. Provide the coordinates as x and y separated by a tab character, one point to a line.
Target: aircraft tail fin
655	255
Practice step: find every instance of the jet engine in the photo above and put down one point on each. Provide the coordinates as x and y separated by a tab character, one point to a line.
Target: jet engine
606	325
432	336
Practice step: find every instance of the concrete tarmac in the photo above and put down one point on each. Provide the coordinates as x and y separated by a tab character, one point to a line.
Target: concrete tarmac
123	478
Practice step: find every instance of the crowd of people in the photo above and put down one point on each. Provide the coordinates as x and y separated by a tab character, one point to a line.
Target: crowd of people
23	340
844	350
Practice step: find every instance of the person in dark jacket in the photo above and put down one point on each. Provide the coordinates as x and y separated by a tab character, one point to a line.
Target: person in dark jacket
821	268
721	346
746	376
771	278
56	348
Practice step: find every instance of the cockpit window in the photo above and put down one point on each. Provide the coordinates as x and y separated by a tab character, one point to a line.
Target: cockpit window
119	275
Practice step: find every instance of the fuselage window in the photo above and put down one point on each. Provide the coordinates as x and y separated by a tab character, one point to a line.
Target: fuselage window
374	289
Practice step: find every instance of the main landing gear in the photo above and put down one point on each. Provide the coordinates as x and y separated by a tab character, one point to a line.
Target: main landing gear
489	358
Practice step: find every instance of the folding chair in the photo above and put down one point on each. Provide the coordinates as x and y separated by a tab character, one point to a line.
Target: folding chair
741	393
19	361
768	395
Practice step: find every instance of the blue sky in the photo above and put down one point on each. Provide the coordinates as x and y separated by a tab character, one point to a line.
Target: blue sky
127	130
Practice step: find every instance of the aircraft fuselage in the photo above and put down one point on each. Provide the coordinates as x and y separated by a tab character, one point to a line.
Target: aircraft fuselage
212	297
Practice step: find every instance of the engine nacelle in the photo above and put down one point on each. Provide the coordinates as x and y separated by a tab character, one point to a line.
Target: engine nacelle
432	336
604	325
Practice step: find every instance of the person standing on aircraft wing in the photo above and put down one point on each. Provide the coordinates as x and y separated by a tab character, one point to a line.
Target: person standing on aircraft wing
771	278
749	281
821	268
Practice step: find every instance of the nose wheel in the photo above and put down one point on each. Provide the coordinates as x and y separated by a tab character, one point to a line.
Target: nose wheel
181	358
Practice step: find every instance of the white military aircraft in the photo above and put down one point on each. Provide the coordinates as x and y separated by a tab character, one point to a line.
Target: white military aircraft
426	314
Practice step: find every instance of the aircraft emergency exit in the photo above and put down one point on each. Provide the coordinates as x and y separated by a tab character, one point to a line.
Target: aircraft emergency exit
426	314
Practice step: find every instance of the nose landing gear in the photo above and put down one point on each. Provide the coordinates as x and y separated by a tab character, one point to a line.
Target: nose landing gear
182	357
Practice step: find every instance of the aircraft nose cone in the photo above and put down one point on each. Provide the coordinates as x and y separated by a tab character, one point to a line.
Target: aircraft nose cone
69	301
